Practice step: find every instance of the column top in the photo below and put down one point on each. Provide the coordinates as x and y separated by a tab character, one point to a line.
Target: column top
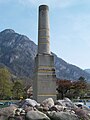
43	7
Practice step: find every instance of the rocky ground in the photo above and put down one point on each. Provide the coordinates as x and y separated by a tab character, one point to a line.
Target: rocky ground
29	109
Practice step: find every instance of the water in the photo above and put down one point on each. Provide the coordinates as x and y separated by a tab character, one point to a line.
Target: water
88	104
82	102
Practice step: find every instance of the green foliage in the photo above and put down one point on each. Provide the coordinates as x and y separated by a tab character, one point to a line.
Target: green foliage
18	90
5	83
11	88
80	87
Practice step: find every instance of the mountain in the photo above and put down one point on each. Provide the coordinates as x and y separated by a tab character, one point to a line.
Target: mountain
65	70
17	52
87	70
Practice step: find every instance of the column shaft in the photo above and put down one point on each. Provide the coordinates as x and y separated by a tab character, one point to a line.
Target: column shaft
43	30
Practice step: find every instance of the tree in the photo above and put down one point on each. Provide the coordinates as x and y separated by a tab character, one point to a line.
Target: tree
5	83
26	83
63	86
87	94
72	89
79	87
18	89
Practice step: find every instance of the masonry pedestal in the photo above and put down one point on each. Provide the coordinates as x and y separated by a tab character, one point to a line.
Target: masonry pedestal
45	78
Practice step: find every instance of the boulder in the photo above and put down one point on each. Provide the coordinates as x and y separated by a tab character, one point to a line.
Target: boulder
29	102
6	112
57	108
17	118
28	108
48	103
66	102
83	114
36	115
62	116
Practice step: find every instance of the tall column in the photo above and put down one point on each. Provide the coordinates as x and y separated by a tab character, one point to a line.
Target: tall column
44	83
43	30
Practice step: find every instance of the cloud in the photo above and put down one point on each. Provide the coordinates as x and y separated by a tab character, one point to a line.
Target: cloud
52	3
38	2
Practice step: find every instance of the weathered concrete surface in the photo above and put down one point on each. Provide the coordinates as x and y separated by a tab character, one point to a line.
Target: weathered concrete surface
43	30
44	83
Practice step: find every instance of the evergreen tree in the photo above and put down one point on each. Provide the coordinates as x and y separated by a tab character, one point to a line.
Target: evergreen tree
18	89
5	83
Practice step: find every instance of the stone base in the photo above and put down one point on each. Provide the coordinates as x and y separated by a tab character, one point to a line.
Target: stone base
44	84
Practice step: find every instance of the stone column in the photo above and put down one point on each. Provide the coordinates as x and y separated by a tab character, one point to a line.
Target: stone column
44	83
43	30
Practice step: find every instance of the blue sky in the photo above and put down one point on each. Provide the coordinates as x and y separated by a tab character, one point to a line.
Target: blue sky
69	26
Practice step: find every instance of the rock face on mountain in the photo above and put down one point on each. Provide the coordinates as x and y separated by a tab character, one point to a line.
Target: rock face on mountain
17	52
69	71
87	70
